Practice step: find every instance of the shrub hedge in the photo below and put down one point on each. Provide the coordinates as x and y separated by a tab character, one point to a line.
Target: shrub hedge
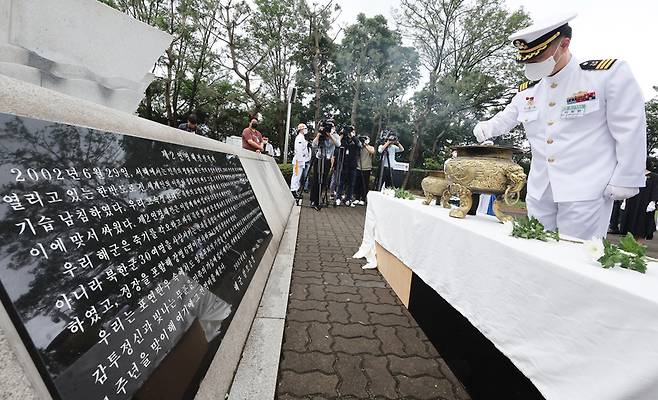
416	177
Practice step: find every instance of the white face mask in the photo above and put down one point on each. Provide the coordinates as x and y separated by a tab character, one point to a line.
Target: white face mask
542	69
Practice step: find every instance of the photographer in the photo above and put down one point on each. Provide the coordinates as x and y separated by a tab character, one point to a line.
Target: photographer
346	161
388	149
324	145
361	177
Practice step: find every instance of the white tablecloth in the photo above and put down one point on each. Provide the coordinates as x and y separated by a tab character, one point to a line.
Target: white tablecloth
576	330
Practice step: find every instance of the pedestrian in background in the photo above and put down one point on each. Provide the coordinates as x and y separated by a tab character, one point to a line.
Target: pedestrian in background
299	161
269	149
639	216
191	124
251	138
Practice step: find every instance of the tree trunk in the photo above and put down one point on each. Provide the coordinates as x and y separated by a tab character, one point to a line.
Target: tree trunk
148	104
434	144
201	63
414	152
373	135
355	101
316	72
379	124
167	91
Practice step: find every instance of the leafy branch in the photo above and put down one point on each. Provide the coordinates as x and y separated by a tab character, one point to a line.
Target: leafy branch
628	254
401	193
531	228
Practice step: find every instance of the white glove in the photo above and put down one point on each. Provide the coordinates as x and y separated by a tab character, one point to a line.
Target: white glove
652	206
619	192
482	132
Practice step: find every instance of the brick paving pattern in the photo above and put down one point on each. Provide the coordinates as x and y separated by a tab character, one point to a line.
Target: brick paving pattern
347	336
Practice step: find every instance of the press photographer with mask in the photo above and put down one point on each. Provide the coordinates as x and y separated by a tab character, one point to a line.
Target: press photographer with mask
346	162
361	177
323	147
388	149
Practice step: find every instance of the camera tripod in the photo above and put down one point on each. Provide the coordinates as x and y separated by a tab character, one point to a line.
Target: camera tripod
318	167
380	182
338	173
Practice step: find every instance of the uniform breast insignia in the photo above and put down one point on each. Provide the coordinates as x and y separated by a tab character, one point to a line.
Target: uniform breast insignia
581	96
597	65
529	104
527	84
579	104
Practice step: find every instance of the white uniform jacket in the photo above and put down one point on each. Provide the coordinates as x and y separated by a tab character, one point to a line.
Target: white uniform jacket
302	153
586	128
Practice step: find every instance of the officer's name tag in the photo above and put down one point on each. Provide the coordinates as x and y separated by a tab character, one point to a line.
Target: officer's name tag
573	111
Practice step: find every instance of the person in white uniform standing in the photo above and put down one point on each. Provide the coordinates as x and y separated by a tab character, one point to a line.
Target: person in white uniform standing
586	125
299	160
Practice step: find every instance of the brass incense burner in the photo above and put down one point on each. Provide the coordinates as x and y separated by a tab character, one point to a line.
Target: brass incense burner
435	186
484	170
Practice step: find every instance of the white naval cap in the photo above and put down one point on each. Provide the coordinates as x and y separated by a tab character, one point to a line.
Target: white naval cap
533	40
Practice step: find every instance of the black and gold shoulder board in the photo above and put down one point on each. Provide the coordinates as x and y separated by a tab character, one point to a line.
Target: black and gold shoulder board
527	84
597	65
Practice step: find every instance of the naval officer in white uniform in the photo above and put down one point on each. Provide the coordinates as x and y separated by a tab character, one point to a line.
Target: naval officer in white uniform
586	126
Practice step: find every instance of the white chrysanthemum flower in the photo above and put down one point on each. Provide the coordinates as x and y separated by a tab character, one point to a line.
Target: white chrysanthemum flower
508	227
388	192
595	248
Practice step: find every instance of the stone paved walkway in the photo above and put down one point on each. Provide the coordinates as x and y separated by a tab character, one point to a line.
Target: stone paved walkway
347	336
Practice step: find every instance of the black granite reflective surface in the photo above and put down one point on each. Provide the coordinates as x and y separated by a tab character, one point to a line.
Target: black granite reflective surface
122	260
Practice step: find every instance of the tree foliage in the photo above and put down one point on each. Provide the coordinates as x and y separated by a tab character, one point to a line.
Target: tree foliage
652	124
464	49
232	58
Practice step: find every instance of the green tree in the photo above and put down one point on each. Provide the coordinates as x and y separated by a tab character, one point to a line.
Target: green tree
362	50
652	123
240	53
277	29
189	64
392	81
464	50
316	57
378	69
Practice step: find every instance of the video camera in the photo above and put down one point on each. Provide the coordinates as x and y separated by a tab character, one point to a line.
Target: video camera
326	125
387	135
349	135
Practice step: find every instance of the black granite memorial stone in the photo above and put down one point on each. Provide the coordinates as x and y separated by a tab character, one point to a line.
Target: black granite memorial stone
122	260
